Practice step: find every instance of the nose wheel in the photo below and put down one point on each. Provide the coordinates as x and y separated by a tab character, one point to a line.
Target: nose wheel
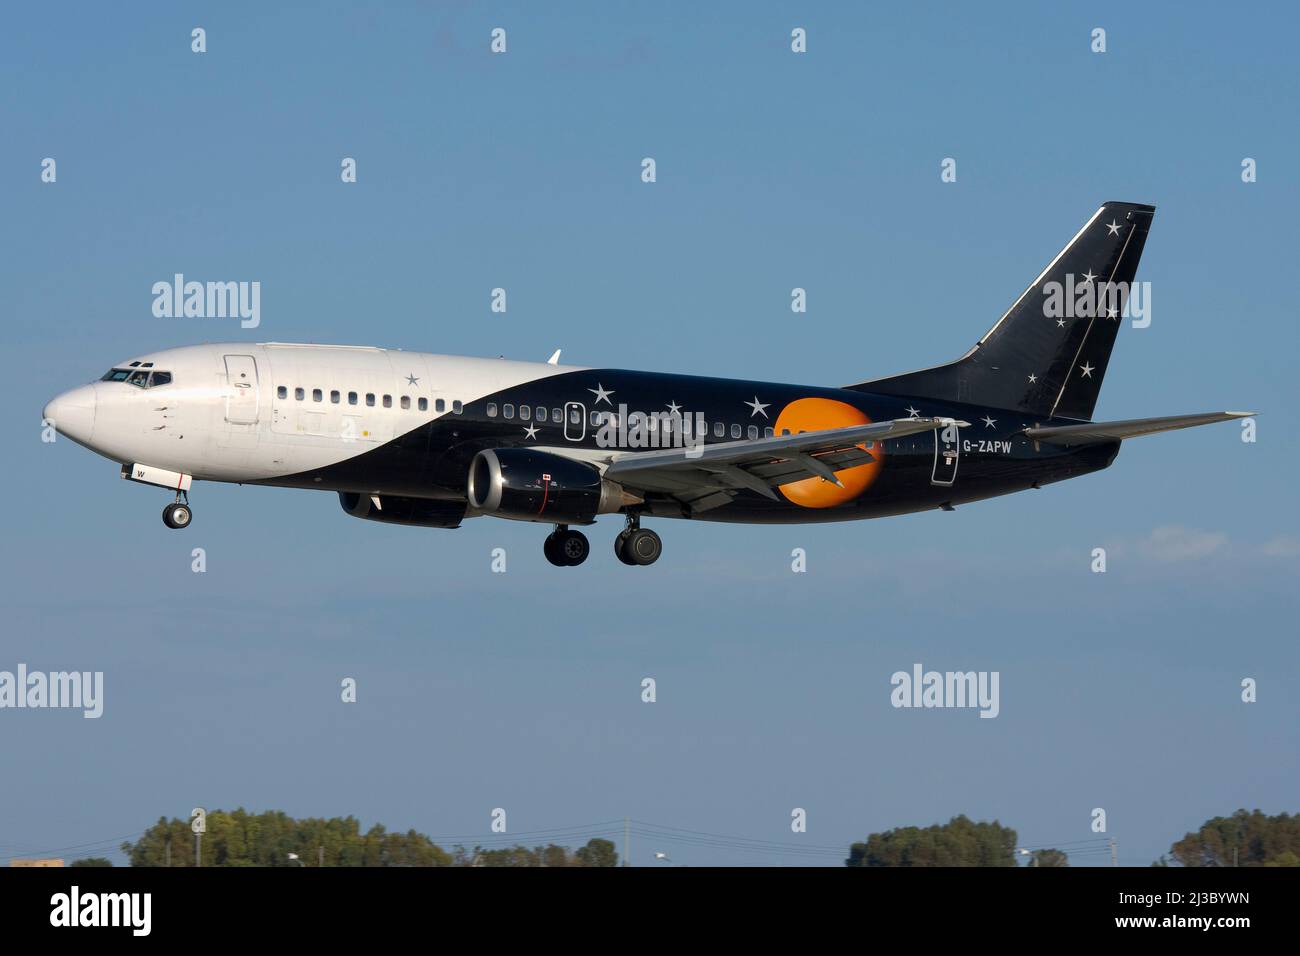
177	515
565	548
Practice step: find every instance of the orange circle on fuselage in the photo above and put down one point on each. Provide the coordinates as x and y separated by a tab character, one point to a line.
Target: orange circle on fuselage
817	414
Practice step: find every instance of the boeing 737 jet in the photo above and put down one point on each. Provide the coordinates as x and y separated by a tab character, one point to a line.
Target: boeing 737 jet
430	440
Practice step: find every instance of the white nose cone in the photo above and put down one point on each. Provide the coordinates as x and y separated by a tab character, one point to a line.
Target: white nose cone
73	413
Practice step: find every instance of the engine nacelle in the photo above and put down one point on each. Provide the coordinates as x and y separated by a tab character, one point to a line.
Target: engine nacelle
537	486
420	512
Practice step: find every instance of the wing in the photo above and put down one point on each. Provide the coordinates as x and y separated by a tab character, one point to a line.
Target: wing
707	476
1093	432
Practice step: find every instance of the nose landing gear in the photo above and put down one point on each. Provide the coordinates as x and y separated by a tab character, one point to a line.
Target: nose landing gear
565	548
177	515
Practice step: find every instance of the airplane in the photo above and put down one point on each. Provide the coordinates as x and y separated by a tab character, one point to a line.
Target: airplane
429	440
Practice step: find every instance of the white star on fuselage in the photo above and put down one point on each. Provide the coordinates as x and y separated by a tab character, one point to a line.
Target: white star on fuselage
1113	227
1032	378
531	432
912	412
758	407
1086	369
1088	277
989	422
674	408
1060	323
602	394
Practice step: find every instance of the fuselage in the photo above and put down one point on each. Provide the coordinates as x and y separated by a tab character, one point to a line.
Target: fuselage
373	421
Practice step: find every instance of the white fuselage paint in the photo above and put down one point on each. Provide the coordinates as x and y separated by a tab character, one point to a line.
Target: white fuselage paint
221	418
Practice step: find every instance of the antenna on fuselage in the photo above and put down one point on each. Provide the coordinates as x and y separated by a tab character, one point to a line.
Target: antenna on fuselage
554	359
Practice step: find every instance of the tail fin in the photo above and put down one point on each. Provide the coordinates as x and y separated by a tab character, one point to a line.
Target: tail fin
1048	354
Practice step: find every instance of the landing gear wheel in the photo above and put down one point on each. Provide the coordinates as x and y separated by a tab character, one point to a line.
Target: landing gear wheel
620	544
565	548
641	546
177	515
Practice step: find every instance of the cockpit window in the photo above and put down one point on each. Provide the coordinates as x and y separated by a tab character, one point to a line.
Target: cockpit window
139	377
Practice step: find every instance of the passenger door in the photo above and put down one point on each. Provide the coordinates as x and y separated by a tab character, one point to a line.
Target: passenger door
947	443
244	393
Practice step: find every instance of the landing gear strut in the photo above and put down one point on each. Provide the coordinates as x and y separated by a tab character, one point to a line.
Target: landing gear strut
565	548
177	515
637	545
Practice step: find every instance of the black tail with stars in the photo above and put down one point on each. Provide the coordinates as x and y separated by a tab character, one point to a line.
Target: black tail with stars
1048	354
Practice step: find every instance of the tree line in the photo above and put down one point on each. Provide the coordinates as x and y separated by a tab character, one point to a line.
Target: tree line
273	838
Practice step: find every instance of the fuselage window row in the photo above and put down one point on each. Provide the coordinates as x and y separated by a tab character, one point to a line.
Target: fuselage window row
336	397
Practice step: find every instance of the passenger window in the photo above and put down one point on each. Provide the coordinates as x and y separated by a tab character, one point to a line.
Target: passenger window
424	404
735	431
575	418
370	399
317	395
767	432
352	398
388	401
595	418
719	430
557	416
406	402
541	414
281	392
334	398
299	394
753	432
457	407
525	412
508	411
491	409
441	406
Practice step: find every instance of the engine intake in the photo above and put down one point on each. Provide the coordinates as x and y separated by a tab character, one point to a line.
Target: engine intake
419	512
537	486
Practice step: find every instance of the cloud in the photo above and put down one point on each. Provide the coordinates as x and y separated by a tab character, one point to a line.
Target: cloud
1175	543
1283	546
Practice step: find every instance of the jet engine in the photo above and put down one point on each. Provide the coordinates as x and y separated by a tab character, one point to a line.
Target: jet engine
420	512
533	485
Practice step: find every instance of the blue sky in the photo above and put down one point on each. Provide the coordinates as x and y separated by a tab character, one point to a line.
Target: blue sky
775	170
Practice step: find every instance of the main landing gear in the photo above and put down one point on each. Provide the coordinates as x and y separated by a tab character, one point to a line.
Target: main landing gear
634	545
565	548
177	515
637	545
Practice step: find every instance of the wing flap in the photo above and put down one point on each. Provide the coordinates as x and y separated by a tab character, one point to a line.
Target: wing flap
698	474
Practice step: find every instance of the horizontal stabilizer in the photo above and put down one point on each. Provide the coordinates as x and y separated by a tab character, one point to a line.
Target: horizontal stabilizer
1093	432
